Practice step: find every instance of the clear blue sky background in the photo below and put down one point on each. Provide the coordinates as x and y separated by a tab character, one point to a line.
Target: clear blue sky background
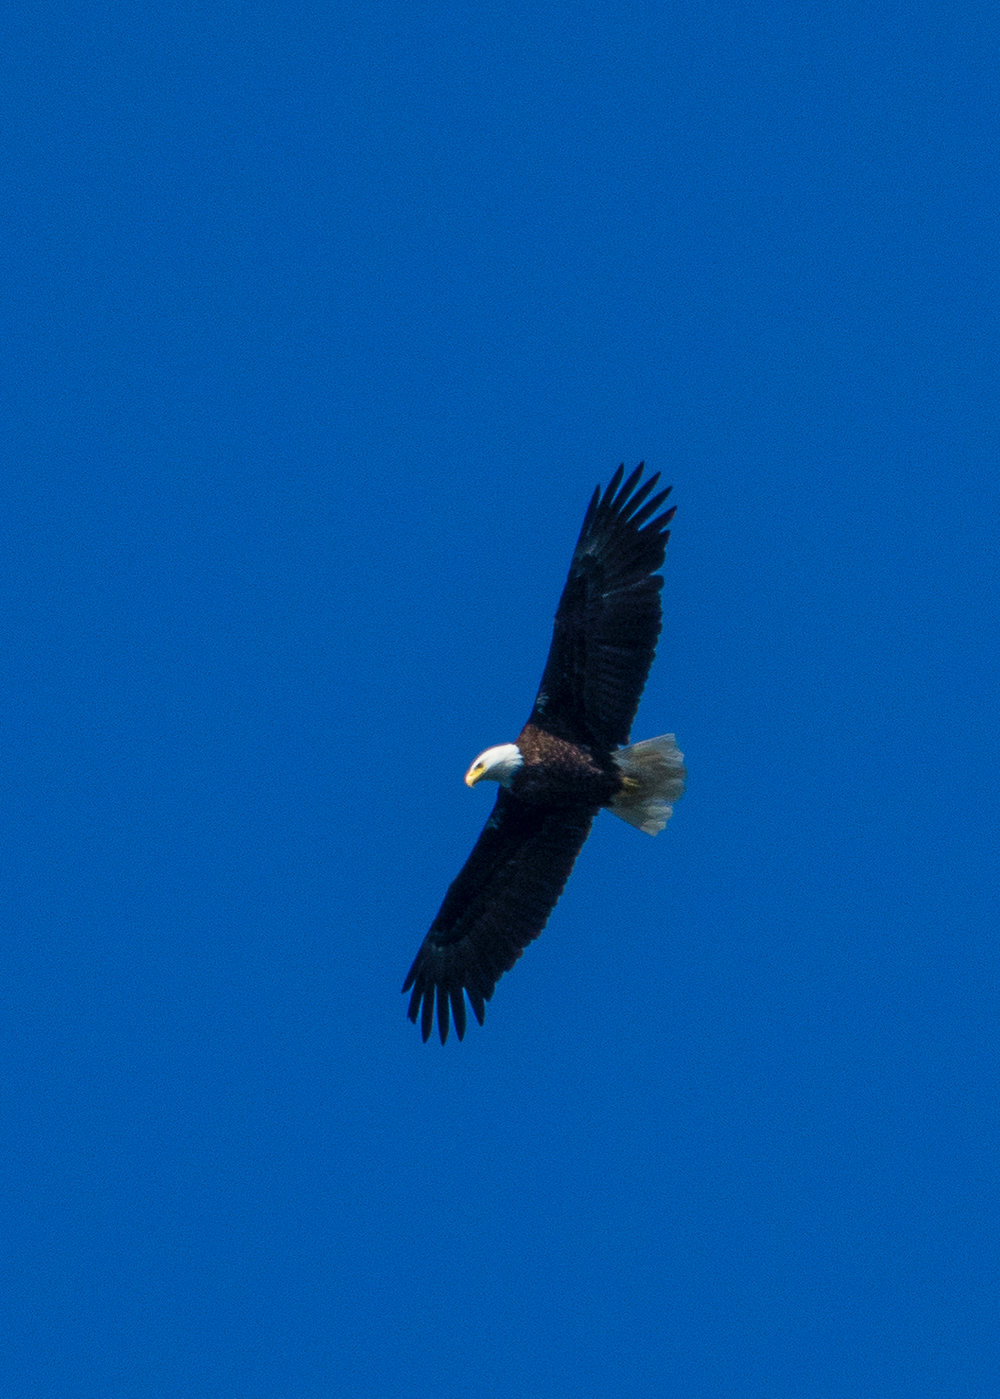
322	324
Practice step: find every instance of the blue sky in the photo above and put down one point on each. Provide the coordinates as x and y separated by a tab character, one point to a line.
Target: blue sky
322	325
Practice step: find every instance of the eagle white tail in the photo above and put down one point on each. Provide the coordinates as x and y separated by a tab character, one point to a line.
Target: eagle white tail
653	774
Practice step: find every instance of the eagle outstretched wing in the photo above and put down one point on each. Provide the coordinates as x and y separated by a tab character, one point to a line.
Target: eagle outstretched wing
499	902
608	619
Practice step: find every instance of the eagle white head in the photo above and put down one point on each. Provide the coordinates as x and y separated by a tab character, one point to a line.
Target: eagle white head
497	764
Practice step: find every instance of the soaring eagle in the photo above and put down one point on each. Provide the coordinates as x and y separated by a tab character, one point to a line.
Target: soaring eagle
569	759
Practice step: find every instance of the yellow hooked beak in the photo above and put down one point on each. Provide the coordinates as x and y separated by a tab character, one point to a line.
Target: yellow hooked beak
474	774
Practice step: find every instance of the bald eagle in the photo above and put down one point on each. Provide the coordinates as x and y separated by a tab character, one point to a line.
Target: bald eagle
569	760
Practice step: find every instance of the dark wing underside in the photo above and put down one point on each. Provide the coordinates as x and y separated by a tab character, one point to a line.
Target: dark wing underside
500	901
608	618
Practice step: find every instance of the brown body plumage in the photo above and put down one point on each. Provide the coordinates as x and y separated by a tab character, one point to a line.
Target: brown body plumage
557	772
